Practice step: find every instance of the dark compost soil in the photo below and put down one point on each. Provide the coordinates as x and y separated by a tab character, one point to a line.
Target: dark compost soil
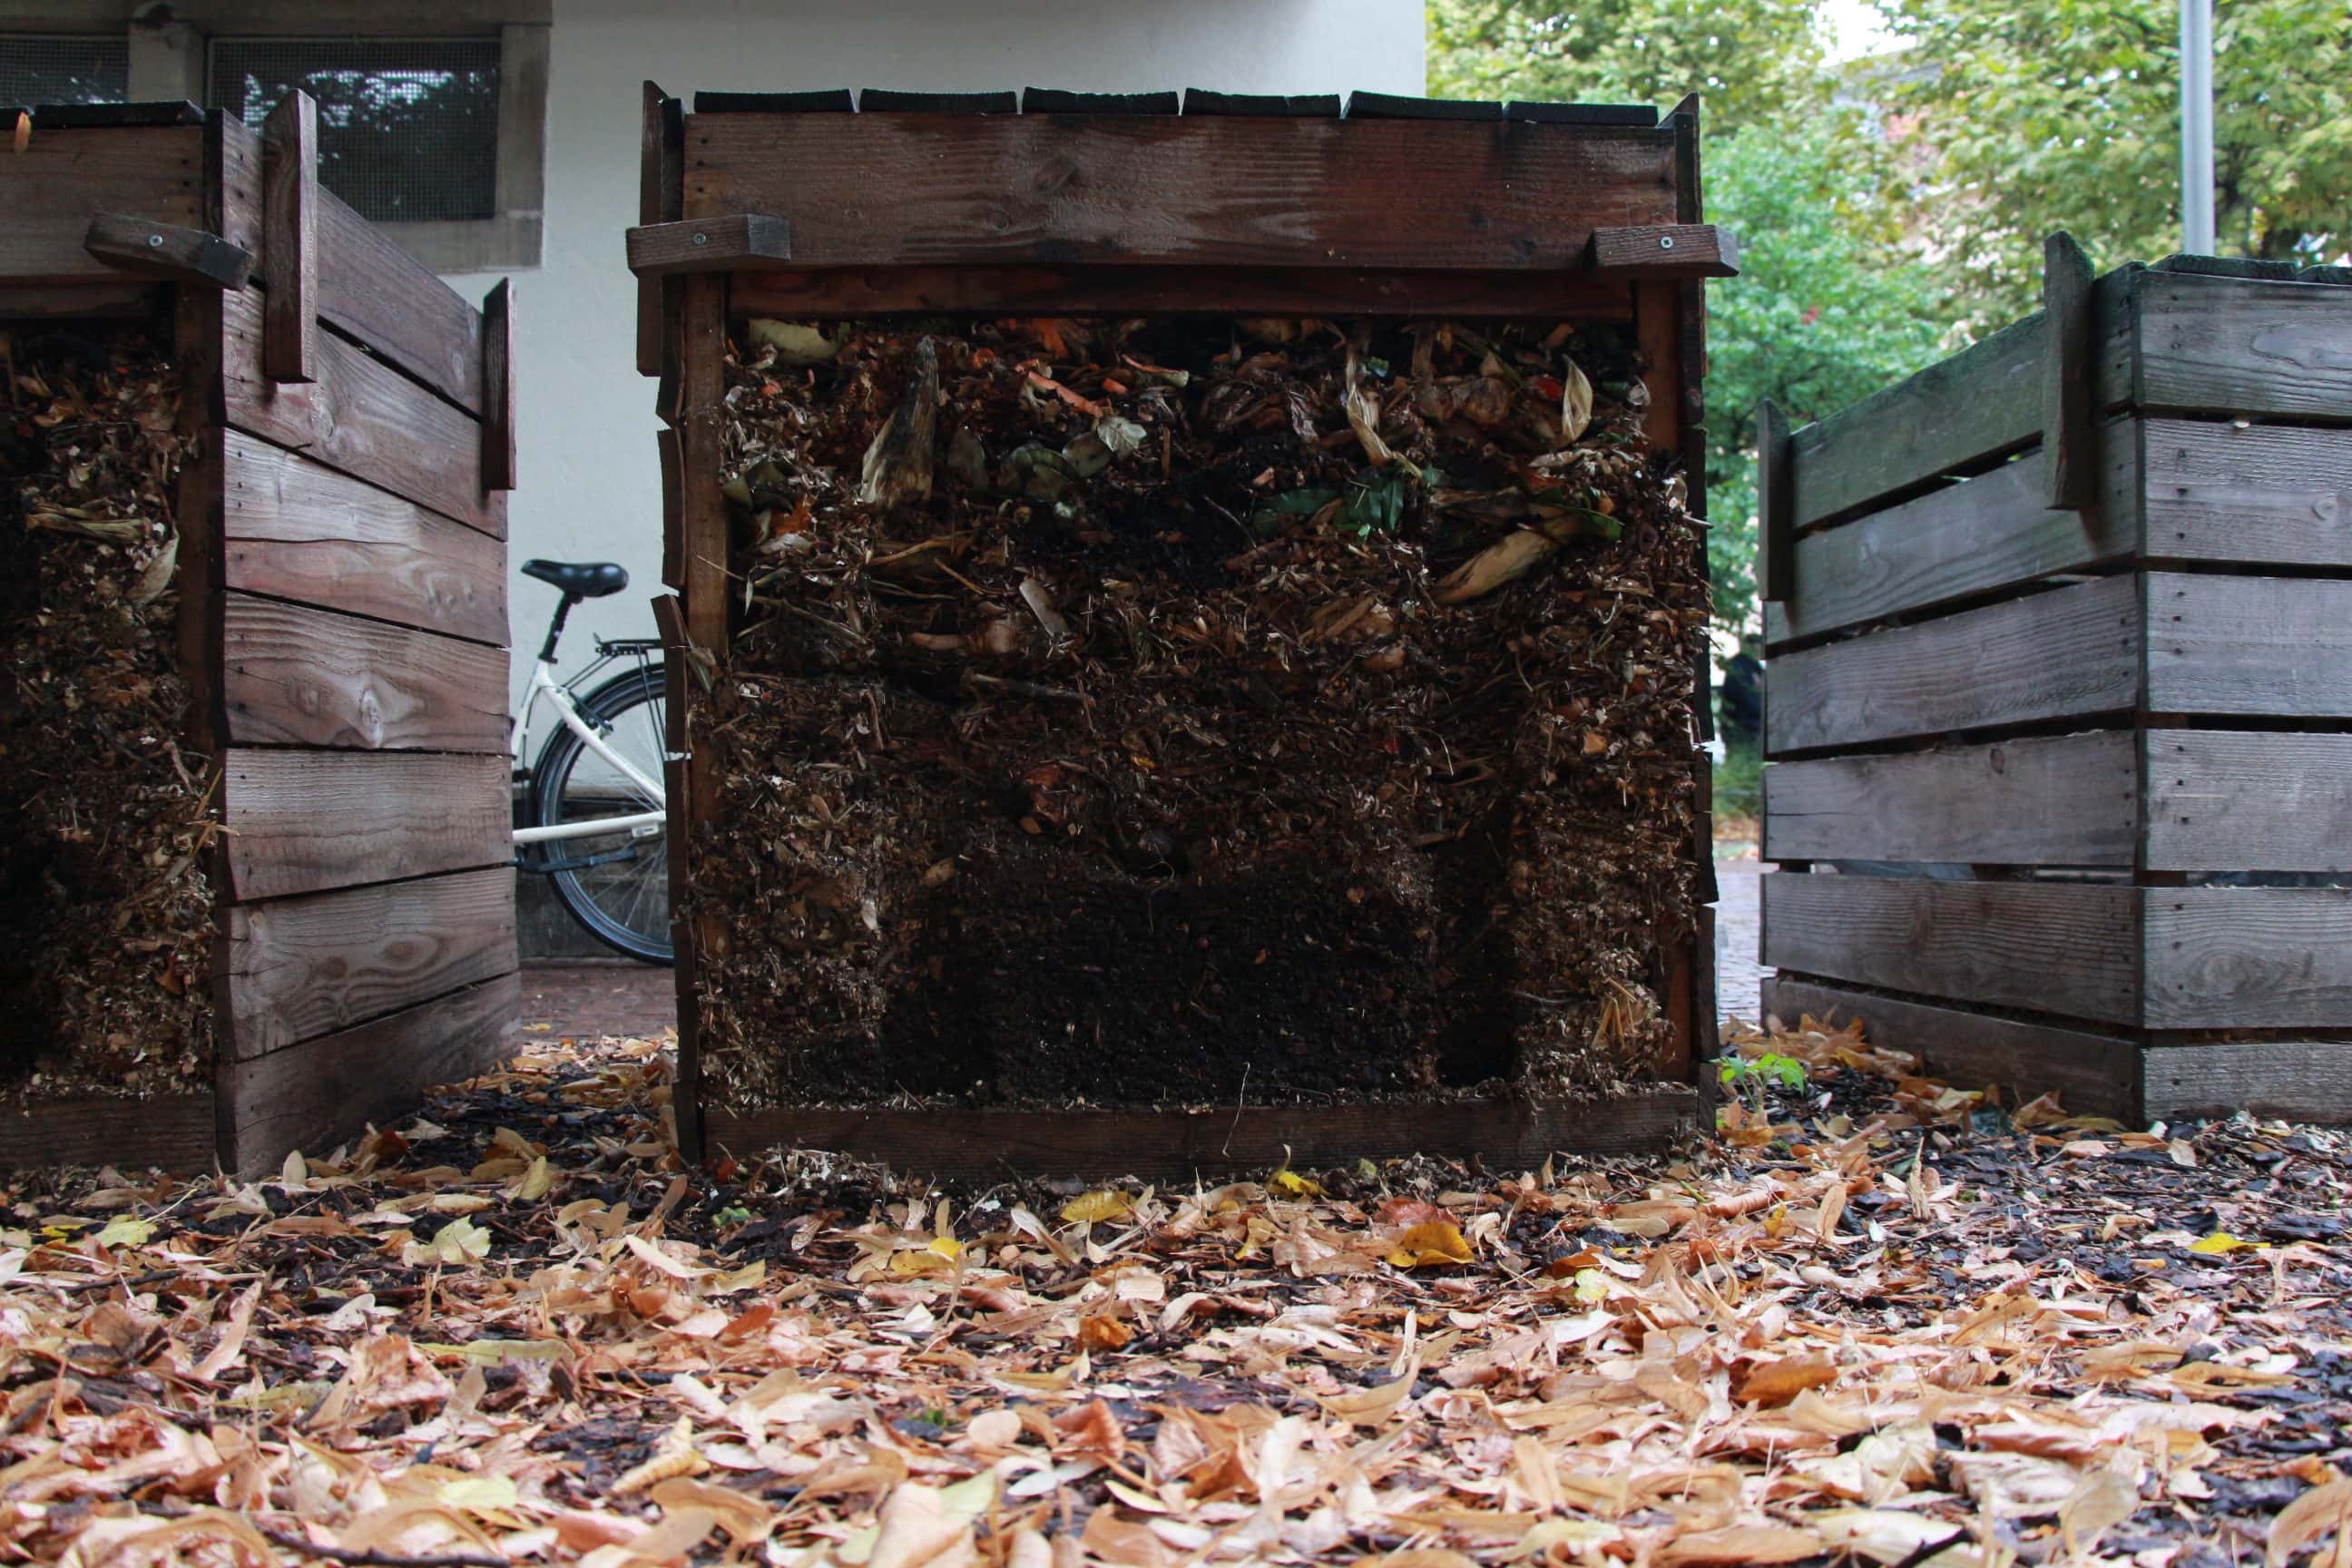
1173	710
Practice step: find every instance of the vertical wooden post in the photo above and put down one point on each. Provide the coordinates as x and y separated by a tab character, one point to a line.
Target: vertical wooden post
1776	503
289	240
2069	434
661	198
498	387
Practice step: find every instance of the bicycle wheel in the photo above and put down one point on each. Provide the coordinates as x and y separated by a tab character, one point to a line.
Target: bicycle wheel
614	884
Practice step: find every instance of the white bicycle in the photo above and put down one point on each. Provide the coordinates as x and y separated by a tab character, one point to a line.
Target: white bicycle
595	813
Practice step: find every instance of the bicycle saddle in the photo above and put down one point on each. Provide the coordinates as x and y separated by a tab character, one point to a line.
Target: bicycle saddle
579	579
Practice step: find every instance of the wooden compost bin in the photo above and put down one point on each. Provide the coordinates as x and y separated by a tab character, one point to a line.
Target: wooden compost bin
794	207
2060	635
341	579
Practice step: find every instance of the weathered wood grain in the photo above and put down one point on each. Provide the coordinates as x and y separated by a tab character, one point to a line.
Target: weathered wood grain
297	530
1698	250
62	179
2071	800
722	244
2070	468
362	417
2232	345
1995	531
308	966
172	1132
1776	505
2298	1080
2092	1075
2070	949
898	189
152	249
289	240
1177	1146
2069	653
661	197
2229	644
2221	800
303	822
497	329
1172	289
2249	958
326	1091
295	675
2258	494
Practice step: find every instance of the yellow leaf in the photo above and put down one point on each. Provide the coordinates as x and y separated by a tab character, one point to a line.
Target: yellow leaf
1294	1185
1103	1204
456	1244
947	1246
1431	1244
1591	1285
536	1180
480	1493
2221	1242
126	1232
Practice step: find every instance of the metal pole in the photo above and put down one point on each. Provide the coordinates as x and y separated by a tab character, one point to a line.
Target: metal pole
2196	127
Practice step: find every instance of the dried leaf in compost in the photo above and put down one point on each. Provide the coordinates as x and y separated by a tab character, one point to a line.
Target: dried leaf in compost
793	343
1507	559
1430	1244
1575	403
2307	1518
1102	1203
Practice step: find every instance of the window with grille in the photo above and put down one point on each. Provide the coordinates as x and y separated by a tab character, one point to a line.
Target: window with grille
34	70
408	129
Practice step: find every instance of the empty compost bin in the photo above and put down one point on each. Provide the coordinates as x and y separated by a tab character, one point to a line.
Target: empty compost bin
1187	632
2060	699
253	859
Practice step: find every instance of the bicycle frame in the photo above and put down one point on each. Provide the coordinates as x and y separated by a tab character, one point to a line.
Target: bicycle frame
543	684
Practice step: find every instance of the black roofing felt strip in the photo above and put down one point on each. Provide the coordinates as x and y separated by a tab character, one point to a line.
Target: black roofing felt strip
883	101
1058	101
1308	106
827	101
1640	114
2226	267
2325	275
87	116
1387	106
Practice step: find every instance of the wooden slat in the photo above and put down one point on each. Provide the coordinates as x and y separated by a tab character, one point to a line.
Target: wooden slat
303	967
315	1095
1176	288
2249	958
297	530
378	293
2069	653
2296	1081
295	675
198	506
661	173
62	179
361	417
152	250
2071	949
2277	646
2071	800
499	387
170	1132
1055	190
719	244
303	822
2070	468
1775	504
2092	1074
2221	800
1989	532
1177	1146
2258	494
2231	345
1699	249
290	239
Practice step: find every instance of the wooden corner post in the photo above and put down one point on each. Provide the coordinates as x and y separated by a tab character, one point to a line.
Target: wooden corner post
2070	437
290	239
499	387
1776	503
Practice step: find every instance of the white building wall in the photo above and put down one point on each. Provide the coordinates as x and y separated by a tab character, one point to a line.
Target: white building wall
591	489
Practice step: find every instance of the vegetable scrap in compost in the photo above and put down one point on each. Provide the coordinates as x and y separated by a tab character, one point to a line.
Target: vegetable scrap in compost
1152	712
106	922
1879	1320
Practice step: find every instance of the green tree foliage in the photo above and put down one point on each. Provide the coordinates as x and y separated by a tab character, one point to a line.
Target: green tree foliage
2044	114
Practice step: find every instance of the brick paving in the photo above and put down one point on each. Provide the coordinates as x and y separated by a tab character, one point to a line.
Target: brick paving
1738	927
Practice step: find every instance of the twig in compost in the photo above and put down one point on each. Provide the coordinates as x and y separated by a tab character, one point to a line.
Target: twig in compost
372	1559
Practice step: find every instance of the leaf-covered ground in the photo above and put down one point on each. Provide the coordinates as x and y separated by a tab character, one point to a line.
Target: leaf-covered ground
1877	1319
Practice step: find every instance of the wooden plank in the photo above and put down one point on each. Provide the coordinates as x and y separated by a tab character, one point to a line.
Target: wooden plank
1062	189
2279	646
2068	948
62	179
2249	958
1177	1146
361	417
2071	800
2221	800
1698	250
2092	1075
1107	289
316	1095
2070	468
2070	653
702	517
303	822
673	494
2231	345
1974	537
499	384
709	244
152	250
303	967
296	675
661	197
167	1132
2297	1080
297	530
2257	494
1776	477
198	508
290	239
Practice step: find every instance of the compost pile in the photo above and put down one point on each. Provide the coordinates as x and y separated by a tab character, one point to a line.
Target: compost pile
1160	712
105	910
